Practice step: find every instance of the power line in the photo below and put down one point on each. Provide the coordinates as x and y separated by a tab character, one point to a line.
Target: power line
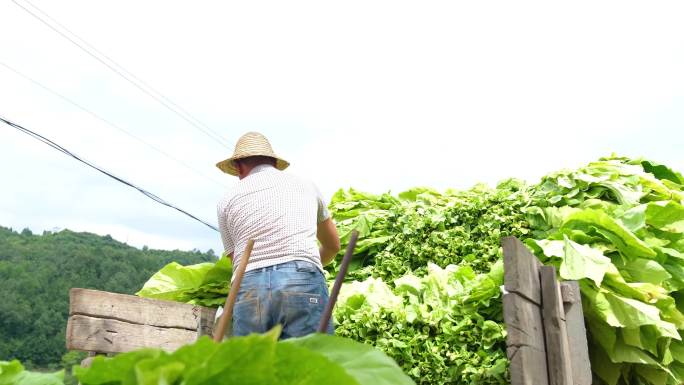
77	105
63	150
124	73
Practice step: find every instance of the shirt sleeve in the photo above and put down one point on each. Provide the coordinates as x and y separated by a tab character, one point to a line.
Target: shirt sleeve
323	212
224	229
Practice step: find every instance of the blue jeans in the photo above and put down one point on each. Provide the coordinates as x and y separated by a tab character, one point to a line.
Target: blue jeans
292	294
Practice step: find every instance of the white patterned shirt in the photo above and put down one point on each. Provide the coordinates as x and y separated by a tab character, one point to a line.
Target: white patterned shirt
280	211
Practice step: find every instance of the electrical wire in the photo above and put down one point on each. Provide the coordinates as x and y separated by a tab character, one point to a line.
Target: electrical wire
93	114
63	150
125	74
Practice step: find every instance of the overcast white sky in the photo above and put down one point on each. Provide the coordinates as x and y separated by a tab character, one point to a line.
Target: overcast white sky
375	95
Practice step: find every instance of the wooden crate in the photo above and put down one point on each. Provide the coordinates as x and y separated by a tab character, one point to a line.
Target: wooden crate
102	322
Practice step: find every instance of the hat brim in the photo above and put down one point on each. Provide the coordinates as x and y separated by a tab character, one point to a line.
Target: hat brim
228	167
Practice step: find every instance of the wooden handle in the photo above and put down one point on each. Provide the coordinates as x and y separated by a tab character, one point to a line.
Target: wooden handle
327	313
227	315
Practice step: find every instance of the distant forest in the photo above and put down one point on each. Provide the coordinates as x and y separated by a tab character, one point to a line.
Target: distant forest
37	271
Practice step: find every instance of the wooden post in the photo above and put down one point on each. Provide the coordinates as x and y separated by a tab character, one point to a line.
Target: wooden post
577	334
521	310
557	349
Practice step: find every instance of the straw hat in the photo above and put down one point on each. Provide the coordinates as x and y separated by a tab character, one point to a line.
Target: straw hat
251	144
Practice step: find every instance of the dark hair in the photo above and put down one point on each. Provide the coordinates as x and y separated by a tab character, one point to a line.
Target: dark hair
253	161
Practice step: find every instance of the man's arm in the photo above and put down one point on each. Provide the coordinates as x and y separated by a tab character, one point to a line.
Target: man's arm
224	231
330	241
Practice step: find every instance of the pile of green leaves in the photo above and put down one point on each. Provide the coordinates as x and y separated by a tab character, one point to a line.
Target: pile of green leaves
204	284
420	226
444	327
615	225
255	359
13	373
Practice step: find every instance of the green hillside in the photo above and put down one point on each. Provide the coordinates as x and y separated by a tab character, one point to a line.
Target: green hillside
37	271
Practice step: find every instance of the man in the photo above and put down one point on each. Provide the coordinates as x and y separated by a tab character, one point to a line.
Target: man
285	215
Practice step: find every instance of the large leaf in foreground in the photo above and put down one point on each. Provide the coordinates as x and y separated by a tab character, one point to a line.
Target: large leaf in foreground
13	373
254	359
363	363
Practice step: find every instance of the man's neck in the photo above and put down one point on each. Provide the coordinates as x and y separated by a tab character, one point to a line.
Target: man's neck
259	168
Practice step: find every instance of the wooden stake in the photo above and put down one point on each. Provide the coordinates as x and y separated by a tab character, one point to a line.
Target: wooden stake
327	313
227	316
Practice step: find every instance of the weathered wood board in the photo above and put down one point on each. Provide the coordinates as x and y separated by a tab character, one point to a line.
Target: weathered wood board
577	333
105	335
137	310
113	323
557	349
522	314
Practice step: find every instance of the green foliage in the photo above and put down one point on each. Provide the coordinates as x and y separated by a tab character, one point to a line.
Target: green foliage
402	234
203	284
615	225
618	229
255	359
13	373
442	328
37	271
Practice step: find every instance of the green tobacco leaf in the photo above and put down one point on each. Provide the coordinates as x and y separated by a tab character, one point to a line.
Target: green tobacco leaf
253	360
662	172
173	280
653	375
602	365
205	284
220	273
366	365
244	360
645	270
13	373
597	221
666	216
580	261
626	353
117	370
9	369
299	366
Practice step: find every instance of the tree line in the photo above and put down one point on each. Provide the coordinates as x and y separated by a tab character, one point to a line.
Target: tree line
37	271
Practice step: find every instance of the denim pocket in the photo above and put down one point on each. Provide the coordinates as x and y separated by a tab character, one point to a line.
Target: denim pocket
301	313
247	317
306	267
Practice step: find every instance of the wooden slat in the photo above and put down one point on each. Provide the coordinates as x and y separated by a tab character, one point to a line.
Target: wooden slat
525	367
522	315
132	309
114	336
577	334
553	314
206	323
521	270
524	341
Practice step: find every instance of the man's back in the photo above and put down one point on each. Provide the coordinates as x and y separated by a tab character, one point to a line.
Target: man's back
279	211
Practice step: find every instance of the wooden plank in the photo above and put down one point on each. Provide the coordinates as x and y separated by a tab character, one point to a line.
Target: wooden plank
553	314
577	334
525	367
206	323
524	341
132	309
114	336
521	270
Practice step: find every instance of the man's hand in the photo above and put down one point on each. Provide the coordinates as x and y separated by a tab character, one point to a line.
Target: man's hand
330	241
